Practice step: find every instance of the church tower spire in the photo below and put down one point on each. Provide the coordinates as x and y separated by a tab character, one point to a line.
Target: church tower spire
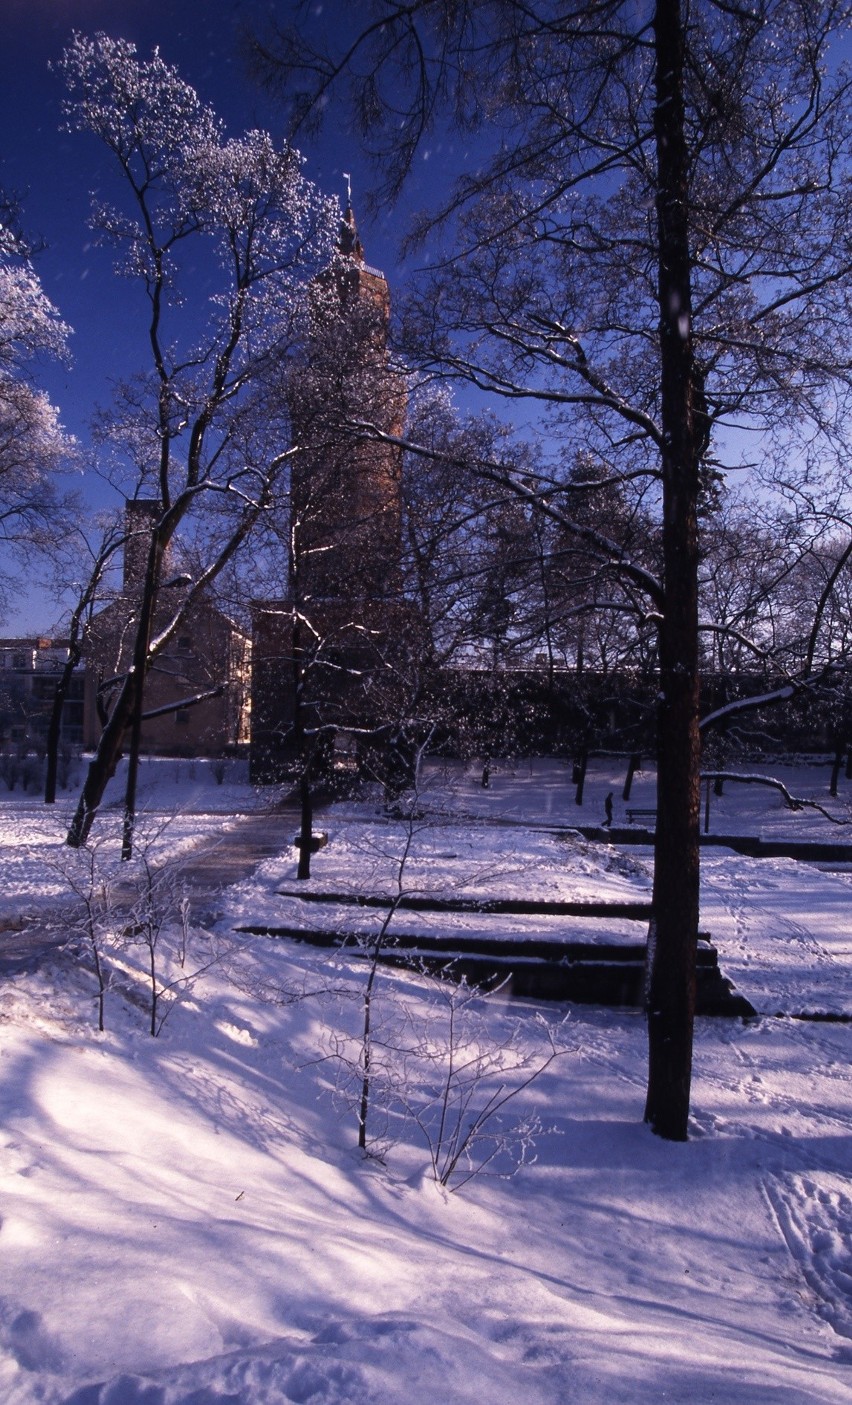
349	243
356	281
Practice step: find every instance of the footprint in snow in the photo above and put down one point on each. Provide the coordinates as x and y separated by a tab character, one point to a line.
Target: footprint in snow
814	1216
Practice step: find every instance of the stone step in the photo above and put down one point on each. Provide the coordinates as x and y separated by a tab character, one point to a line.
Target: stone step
599	973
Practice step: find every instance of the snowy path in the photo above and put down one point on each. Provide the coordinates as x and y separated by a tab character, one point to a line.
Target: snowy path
207	857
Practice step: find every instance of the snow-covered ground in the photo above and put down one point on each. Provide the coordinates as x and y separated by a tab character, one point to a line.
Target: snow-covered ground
186	1220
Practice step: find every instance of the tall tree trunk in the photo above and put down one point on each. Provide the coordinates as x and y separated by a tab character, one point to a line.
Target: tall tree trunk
835	769
102	766
306	825
54	726
141	650
82	610
673	939
634	765
133	751
581	776
126	713
304	752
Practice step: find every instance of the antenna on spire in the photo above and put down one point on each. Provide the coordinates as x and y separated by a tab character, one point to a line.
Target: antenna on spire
348	179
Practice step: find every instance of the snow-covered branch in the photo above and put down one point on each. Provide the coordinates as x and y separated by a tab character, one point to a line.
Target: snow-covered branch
793	802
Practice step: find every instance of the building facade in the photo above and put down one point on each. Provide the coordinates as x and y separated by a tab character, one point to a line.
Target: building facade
29	669
196	691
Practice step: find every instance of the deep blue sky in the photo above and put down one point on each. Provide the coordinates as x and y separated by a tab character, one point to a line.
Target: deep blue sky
55	172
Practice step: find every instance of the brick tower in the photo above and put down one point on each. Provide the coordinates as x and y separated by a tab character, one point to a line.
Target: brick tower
341	621
345	501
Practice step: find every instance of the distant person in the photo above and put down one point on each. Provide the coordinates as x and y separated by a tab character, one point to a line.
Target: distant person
486	775
608	811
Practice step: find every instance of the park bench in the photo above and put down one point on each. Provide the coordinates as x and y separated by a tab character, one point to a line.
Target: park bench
633	814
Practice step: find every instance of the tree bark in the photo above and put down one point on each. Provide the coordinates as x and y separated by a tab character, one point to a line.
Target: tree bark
138	675
303	750
54	728
835	769
634	765
102	767
126	713
82	609
581	777
306	827
673	939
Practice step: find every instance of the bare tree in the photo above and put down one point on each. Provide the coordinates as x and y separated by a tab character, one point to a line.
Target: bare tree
432	1058
205	417
89	878
650	245
101	553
